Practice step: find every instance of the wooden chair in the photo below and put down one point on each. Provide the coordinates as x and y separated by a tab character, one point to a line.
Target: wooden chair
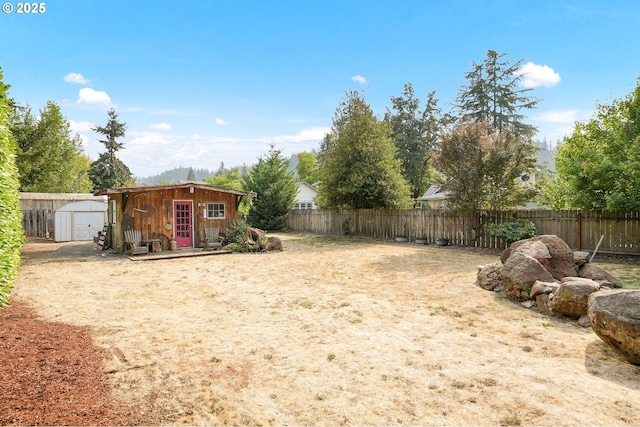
134	240
212	239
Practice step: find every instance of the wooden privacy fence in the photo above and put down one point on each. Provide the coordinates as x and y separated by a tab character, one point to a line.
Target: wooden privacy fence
37	223
581	230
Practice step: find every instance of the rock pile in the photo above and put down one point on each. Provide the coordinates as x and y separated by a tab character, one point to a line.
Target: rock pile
543	272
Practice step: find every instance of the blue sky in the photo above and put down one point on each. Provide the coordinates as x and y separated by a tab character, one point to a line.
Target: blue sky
204	82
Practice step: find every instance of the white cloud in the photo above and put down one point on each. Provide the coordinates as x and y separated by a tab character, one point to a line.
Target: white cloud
553	125
150	153
75	78
160	126
220	122
558	116
92	96
81	128
359	79
534	75
310	134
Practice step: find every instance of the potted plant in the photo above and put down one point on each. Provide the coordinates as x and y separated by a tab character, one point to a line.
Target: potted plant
442	241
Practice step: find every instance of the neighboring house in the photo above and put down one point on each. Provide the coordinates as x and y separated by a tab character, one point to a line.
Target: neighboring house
180	212
434	198
306	197
65	216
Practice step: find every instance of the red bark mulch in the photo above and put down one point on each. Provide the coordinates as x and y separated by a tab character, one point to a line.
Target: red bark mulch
51	374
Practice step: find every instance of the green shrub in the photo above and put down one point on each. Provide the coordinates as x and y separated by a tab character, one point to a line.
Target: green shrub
237	231
512	231
237	238
12	236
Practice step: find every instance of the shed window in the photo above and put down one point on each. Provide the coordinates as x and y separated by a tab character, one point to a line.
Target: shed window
216	211
303	205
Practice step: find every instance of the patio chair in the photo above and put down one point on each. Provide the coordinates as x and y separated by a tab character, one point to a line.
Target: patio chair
134	240
212	239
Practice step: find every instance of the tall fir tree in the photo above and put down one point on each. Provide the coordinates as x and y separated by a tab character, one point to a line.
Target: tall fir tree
493	95
109	171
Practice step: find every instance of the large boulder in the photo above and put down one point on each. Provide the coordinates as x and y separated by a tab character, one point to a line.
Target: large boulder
519	273
614	315
572	297
254	234
273	244
488	276
561	263
599	274
533	248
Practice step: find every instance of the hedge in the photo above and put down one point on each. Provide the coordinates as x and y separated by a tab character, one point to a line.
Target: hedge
12	236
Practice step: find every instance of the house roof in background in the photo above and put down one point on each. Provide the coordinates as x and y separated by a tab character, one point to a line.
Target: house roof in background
433	193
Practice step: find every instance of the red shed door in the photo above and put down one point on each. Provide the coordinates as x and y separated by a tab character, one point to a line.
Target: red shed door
183	223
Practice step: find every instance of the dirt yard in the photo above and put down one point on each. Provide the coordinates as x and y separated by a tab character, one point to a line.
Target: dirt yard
327	332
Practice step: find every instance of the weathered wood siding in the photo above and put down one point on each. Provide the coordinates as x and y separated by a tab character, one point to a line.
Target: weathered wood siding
160	221
581	230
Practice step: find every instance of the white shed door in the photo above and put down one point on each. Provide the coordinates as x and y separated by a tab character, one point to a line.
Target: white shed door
87	224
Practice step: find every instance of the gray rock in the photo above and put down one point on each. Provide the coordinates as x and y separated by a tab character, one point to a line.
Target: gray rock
615	317
572	297
584	321
581	257
599	274
488	276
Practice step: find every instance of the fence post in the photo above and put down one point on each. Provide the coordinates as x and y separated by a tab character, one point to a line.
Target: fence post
579	243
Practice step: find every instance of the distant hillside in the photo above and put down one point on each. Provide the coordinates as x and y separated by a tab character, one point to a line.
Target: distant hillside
175	176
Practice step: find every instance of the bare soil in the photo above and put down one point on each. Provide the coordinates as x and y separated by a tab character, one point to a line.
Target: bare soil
327	332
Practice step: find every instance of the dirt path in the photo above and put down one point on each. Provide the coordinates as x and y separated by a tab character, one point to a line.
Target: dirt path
328	332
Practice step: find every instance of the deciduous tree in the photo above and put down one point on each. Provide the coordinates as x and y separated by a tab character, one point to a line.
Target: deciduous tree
357	161
481	167
598	165
307	167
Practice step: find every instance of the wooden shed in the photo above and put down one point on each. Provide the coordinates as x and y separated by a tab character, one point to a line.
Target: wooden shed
180	212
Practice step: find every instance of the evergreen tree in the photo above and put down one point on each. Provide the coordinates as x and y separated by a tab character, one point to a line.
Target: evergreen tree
492	95
50	159
357	161
12	236
191	176
109	171
415	135
276	189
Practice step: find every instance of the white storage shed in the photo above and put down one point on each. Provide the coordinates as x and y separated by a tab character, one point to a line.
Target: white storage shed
80	220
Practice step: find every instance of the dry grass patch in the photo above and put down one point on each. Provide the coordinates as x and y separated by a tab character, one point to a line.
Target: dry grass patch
329	331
